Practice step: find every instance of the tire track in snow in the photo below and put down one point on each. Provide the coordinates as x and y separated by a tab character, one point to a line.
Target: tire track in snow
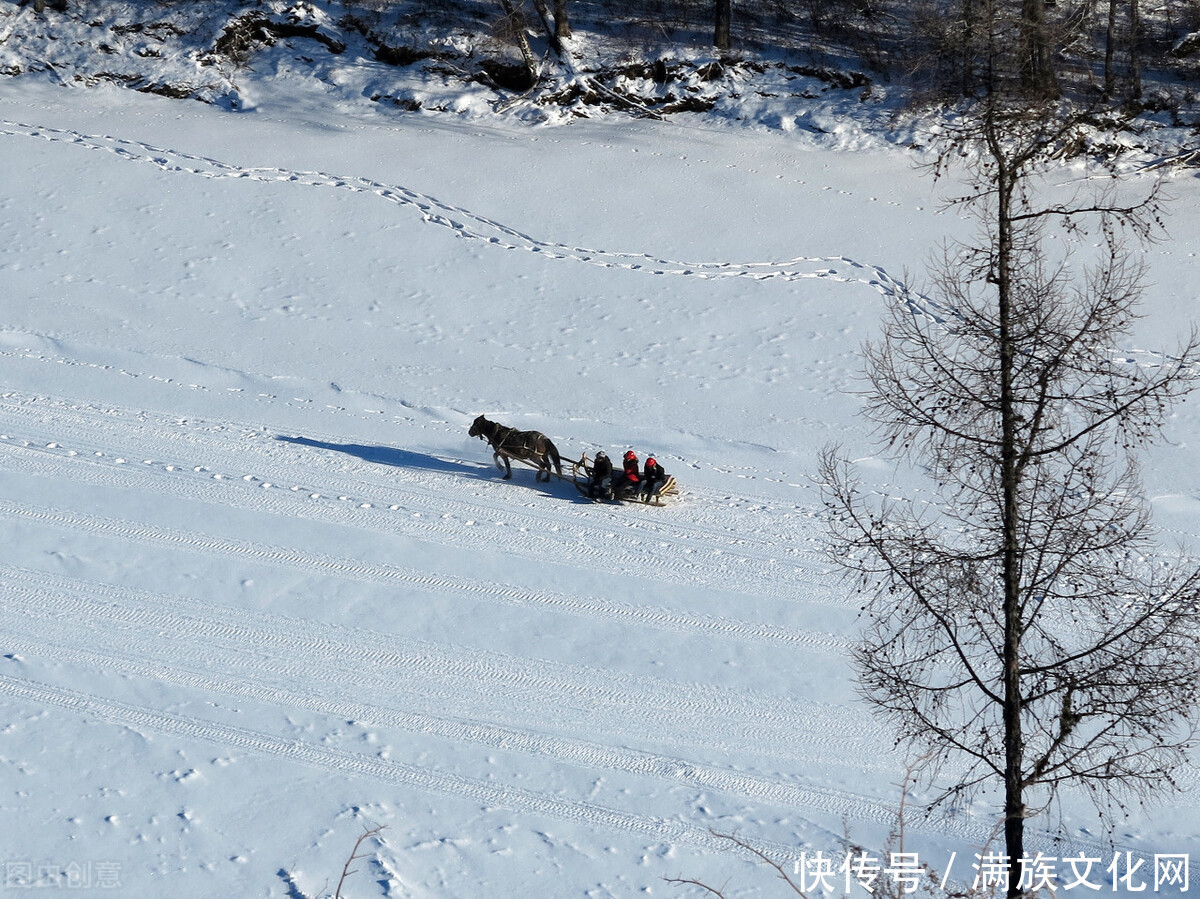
589	756
229	654
441	584
54	420
487	793
403	504
490	793
471	226
211	654
350	764
435	676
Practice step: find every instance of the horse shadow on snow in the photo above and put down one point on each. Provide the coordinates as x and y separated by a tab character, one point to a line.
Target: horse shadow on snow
400	458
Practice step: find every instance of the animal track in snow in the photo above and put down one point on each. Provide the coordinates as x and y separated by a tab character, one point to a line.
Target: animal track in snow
471	226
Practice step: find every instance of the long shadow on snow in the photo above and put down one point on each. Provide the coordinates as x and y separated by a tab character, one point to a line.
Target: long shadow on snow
398	458
386	455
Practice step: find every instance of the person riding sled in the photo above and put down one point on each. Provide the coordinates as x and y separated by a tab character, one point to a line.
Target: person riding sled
626	484
600	483
653	478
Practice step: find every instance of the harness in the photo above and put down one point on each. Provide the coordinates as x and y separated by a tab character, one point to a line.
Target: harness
510	441
503	435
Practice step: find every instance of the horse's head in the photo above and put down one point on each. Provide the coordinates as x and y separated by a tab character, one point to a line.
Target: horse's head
477	428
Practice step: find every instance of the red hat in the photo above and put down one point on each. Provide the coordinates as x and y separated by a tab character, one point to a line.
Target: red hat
630	454
650	460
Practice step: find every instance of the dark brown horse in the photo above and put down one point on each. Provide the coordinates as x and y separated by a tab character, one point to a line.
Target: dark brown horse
507	443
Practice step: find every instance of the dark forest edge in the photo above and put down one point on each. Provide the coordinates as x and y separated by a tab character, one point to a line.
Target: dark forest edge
1135	67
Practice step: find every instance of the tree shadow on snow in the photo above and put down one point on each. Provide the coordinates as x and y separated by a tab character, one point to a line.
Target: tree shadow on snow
294	891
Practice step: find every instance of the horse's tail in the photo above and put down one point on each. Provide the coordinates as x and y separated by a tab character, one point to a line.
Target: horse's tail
552	452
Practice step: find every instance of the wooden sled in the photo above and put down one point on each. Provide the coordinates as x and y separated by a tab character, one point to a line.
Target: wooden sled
581	474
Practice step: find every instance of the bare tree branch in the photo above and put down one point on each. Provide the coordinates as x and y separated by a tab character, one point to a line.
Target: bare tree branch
356	855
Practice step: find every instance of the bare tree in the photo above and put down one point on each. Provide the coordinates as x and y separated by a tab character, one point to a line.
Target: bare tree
1021	624
1110	46
979	48
550	25
514	26
1135	52
556	27
562	24
722	15
1037	72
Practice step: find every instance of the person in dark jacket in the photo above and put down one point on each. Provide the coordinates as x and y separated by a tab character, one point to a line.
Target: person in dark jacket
653	477
600	485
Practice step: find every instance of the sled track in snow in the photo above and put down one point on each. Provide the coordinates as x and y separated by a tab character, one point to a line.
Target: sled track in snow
714	516
432	677
446	522
338	761
411	579
468	225
169	457
257	658
343	762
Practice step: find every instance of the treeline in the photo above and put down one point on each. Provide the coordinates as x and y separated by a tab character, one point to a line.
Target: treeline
946	49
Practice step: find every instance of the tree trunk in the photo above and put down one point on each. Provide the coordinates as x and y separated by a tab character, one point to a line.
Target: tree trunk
967	50
518	28
1014	749
1135	51
1037	75
1110	39
549	27
724	14
562	27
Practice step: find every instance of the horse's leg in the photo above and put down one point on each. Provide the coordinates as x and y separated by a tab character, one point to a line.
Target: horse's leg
552	457
500	457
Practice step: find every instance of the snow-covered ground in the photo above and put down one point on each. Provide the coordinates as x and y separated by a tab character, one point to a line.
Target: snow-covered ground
260	590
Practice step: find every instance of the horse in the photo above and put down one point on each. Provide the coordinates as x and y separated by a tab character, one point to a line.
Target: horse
507	443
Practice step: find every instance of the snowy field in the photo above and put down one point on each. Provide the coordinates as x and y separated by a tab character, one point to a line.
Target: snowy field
261	591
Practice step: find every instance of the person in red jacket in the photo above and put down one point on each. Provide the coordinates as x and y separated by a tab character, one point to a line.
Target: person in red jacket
628	481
